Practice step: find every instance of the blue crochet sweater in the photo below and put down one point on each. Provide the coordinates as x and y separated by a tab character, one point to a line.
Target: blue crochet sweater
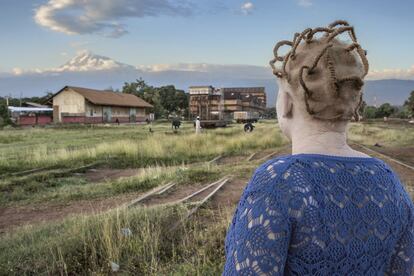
310	214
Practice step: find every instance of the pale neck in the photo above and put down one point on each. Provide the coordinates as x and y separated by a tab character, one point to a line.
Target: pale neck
311	139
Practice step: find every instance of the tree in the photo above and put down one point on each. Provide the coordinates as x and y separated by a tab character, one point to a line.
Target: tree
4	115
270	113
409	103
134	87
173	100
385	110
370	112
165	99
151	95
402	112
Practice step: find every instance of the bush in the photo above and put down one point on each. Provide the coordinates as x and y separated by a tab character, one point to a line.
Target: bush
4	116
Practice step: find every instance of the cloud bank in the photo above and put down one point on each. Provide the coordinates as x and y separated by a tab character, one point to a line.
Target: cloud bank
247	8
86	61
103	17
404	74
100	72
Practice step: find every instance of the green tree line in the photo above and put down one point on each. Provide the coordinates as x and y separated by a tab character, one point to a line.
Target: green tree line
167	100
387	110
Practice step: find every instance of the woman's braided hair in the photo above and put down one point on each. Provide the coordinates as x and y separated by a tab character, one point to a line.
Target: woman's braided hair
330	72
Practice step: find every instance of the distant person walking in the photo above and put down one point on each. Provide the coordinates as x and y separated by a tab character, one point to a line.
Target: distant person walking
198	125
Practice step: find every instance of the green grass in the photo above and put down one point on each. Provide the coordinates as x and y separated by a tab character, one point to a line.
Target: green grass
87	245
126	146
384	134
163	155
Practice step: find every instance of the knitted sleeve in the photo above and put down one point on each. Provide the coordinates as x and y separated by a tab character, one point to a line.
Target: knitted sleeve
402	260
257	241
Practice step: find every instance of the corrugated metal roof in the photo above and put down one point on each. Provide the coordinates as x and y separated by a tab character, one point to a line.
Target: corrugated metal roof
28	109
108	98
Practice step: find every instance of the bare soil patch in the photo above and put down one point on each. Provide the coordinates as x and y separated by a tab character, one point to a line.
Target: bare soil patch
230	194
404	154
231	159
99	175
11	217
261	154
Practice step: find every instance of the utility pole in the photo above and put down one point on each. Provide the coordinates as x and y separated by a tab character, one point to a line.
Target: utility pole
21	94
8	97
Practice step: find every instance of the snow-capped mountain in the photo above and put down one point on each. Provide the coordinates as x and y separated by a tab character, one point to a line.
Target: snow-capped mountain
87	61
100	72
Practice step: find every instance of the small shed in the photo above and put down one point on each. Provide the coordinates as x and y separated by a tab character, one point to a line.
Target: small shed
26	116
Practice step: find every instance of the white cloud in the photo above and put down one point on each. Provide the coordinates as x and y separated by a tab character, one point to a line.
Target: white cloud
19	71
103	16
190	67
407	74
247	8
229	70
305	3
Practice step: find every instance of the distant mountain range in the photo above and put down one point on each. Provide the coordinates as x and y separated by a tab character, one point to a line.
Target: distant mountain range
89	70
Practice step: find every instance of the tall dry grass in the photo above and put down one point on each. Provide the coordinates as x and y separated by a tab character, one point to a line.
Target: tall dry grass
386	135
159	148
88	245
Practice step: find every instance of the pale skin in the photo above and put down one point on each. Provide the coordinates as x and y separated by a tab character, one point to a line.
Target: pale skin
309	135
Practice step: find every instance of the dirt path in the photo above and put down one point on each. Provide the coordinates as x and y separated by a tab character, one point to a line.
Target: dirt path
231	159
12	217
227	197
404	154
99	175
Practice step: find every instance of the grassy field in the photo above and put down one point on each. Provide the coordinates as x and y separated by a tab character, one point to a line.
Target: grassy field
85	245
163	154
123	146
94	243
88	244
390	135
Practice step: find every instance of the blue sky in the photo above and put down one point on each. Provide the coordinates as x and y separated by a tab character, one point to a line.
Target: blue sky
46	33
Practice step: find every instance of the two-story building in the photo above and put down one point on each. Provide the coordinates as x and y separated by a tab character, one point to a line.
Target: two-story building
216	104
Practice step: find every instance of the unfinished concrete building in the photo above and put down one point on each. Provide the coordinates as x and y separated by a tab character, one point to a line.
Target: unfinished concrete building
216	104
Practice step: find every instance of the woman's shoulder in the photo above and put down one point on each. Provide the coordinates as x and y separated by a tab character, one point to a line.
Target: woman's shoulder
267	176
284	171
275	166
